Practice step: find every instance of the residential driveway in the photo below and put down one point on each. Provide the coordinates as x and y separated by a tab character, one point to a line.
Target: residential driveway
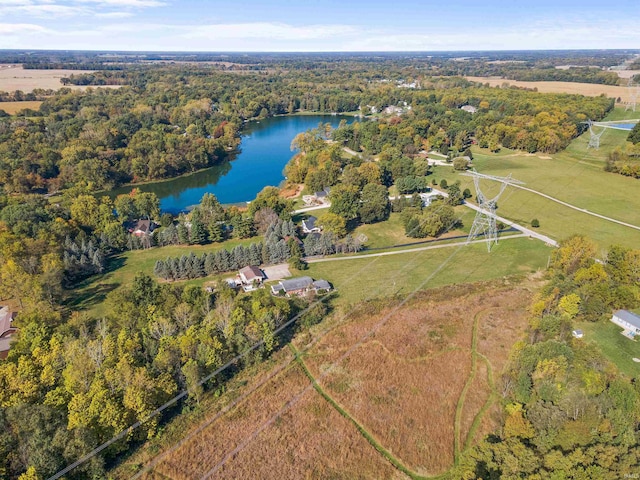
277	272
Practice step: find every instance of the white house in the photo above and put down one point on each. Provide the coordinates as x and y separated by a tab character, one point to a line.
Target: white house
629	321
469	108
309	225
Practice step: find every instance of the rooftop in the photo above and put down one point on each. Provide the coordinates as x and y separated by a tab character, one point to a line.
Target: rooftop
628	317
296	283
5	320
251	272
310	222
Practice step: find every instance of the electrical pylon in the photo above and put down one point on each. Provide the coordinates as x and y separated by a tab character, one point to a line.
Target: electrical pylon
485	221
594	140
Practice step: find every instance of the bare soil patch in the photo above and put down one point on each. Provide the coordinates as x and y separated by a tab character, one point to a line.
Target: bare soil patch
292	191
588	89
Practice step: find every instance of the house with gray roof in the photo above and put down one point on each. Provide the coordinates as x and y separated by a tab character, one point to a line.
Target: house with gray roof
299	286
629	321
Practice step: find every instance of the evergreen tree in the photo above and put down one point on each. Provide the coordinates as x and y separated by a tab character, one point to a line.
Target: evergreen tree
255	254
198	233
216	232
210	266
183	234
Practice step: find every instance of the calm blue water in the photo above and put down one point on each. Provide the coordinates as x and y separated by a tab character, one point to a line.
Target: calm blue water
264	151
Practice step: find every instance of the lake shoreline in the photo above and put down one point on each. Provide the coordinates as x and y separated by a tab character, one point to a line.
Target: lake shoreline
258	161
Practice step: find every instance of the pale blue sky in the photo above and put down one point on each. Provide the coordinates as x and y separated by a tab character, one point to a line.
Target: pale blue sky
309	25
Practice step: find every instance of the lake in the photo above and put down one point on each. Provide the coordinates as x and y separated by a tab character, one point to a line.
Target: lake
260	161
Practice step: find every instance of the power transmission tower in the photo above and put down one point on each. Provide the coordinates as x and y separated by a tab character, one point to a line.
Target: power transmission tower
594	141
633	96
485	221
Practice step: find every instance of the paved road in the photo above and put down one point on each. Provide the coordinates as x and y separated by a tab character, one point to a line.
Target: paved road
524	230
311	209
408	250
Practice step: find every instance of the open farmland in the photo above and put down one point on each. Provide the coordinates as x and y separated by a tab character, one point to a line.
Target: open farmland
14	107
14	77
588	89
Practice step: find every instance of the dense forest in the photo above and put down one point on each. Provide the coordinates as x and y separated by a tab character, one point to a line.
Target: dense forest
568	413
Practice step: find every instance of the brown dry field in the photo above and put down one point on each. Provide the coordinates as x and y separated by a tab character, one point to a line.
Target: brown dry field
310	440
588	89
14	107
403	384
14	77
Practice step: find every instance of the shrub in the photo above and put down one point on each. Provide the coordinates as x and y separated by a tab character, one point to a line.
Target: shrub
535	223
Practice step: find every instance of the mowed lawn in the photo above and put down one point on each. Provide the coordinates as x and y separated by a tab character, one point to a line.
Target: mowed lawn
123	268
391	232
619	349
401	274
575	176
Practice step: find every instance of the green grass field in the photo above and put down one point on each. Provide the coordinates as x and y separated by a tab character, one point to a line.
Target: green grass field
365	278
575	176
616	347
89	295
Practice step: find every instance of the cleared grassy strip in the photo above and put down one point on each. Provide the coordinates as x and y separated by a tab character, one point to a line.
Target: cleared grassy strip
463	394
490	401
472	263
619	349
599	192
374	443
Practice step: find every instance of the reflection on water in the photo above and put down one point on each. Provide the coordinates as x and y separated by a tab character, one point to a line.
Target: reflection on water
265	150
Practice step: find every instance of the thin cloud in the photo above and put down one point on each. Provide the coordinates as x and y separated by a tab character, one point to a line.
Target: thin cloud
21	28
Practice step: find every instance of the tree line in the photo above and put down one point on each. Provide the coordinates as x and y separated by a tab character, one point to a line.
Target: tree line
567	412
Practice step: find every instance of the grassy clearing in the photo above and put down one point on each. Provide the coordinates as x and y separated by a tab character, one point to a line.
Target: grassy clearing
308	440
122	269
616	347
574	176
14	107
403	273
